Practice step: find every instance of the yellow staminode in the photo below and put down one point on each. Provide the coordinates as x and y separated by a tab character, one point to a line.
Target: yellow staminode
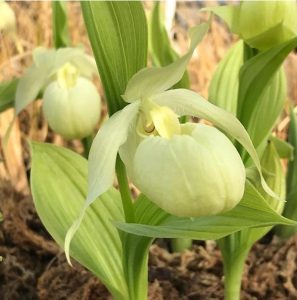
157	120
67	75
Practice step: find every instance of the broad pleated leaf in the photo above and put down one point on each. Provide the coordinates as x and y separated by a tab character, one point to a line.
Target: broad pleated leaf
252	211
59	185
59	21
7	93
262	90
185	102
151	81
266	110
118	35
223	90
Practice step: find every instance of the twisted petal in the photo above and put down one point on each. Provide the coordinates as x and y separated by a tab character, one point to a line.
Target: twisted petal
150	81
102	161
104	150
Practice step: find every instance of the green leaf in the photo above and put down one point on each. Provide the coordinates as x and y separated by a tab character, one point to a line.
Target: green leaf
252	211
59	21
160	47
151	81
275	178
224	85
262	91
267	110
118	35
7	94
290	210
59	184
283	148
292	168
185	102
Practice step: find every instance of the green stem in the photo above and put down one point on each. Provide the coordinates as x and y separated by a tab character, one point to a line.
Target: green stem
233	270
125	191
234	256
87	143
179	245
234	253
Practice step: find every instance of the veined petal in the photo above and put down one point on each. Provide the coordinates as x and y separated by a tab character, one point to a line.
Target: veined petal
29	86
186	102
150	81
102	161
104	150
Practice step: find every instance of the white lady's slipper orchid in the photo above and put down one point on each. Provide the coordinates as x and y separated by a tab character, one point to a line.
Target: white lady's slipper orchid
7	18
44	70
71	104
261	24
188	170
46	64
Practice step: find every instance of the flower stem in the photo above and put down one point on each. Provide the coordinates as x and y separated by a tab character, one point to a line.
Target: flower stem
234	255
125	191
233	270
87	142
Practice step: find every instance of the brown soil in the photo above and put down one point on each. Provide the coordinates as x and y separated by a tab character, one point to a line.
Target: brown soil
34	267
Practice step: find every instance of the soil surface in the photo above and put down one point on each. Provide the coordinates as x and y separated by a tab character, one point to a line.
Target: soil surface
34	267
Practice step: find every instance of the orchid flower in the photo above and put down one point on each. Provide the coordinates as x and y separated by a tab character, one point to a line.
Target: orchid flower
261	24
186	169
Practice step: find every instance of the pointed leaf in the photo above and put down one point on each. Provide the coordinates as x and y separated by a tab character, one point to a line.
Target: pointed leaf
266	110
252	211
223	90
292	168
118	35
256	76
283	148
150	81
275	178
59	21
7	94
185	102
290	210
59	184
